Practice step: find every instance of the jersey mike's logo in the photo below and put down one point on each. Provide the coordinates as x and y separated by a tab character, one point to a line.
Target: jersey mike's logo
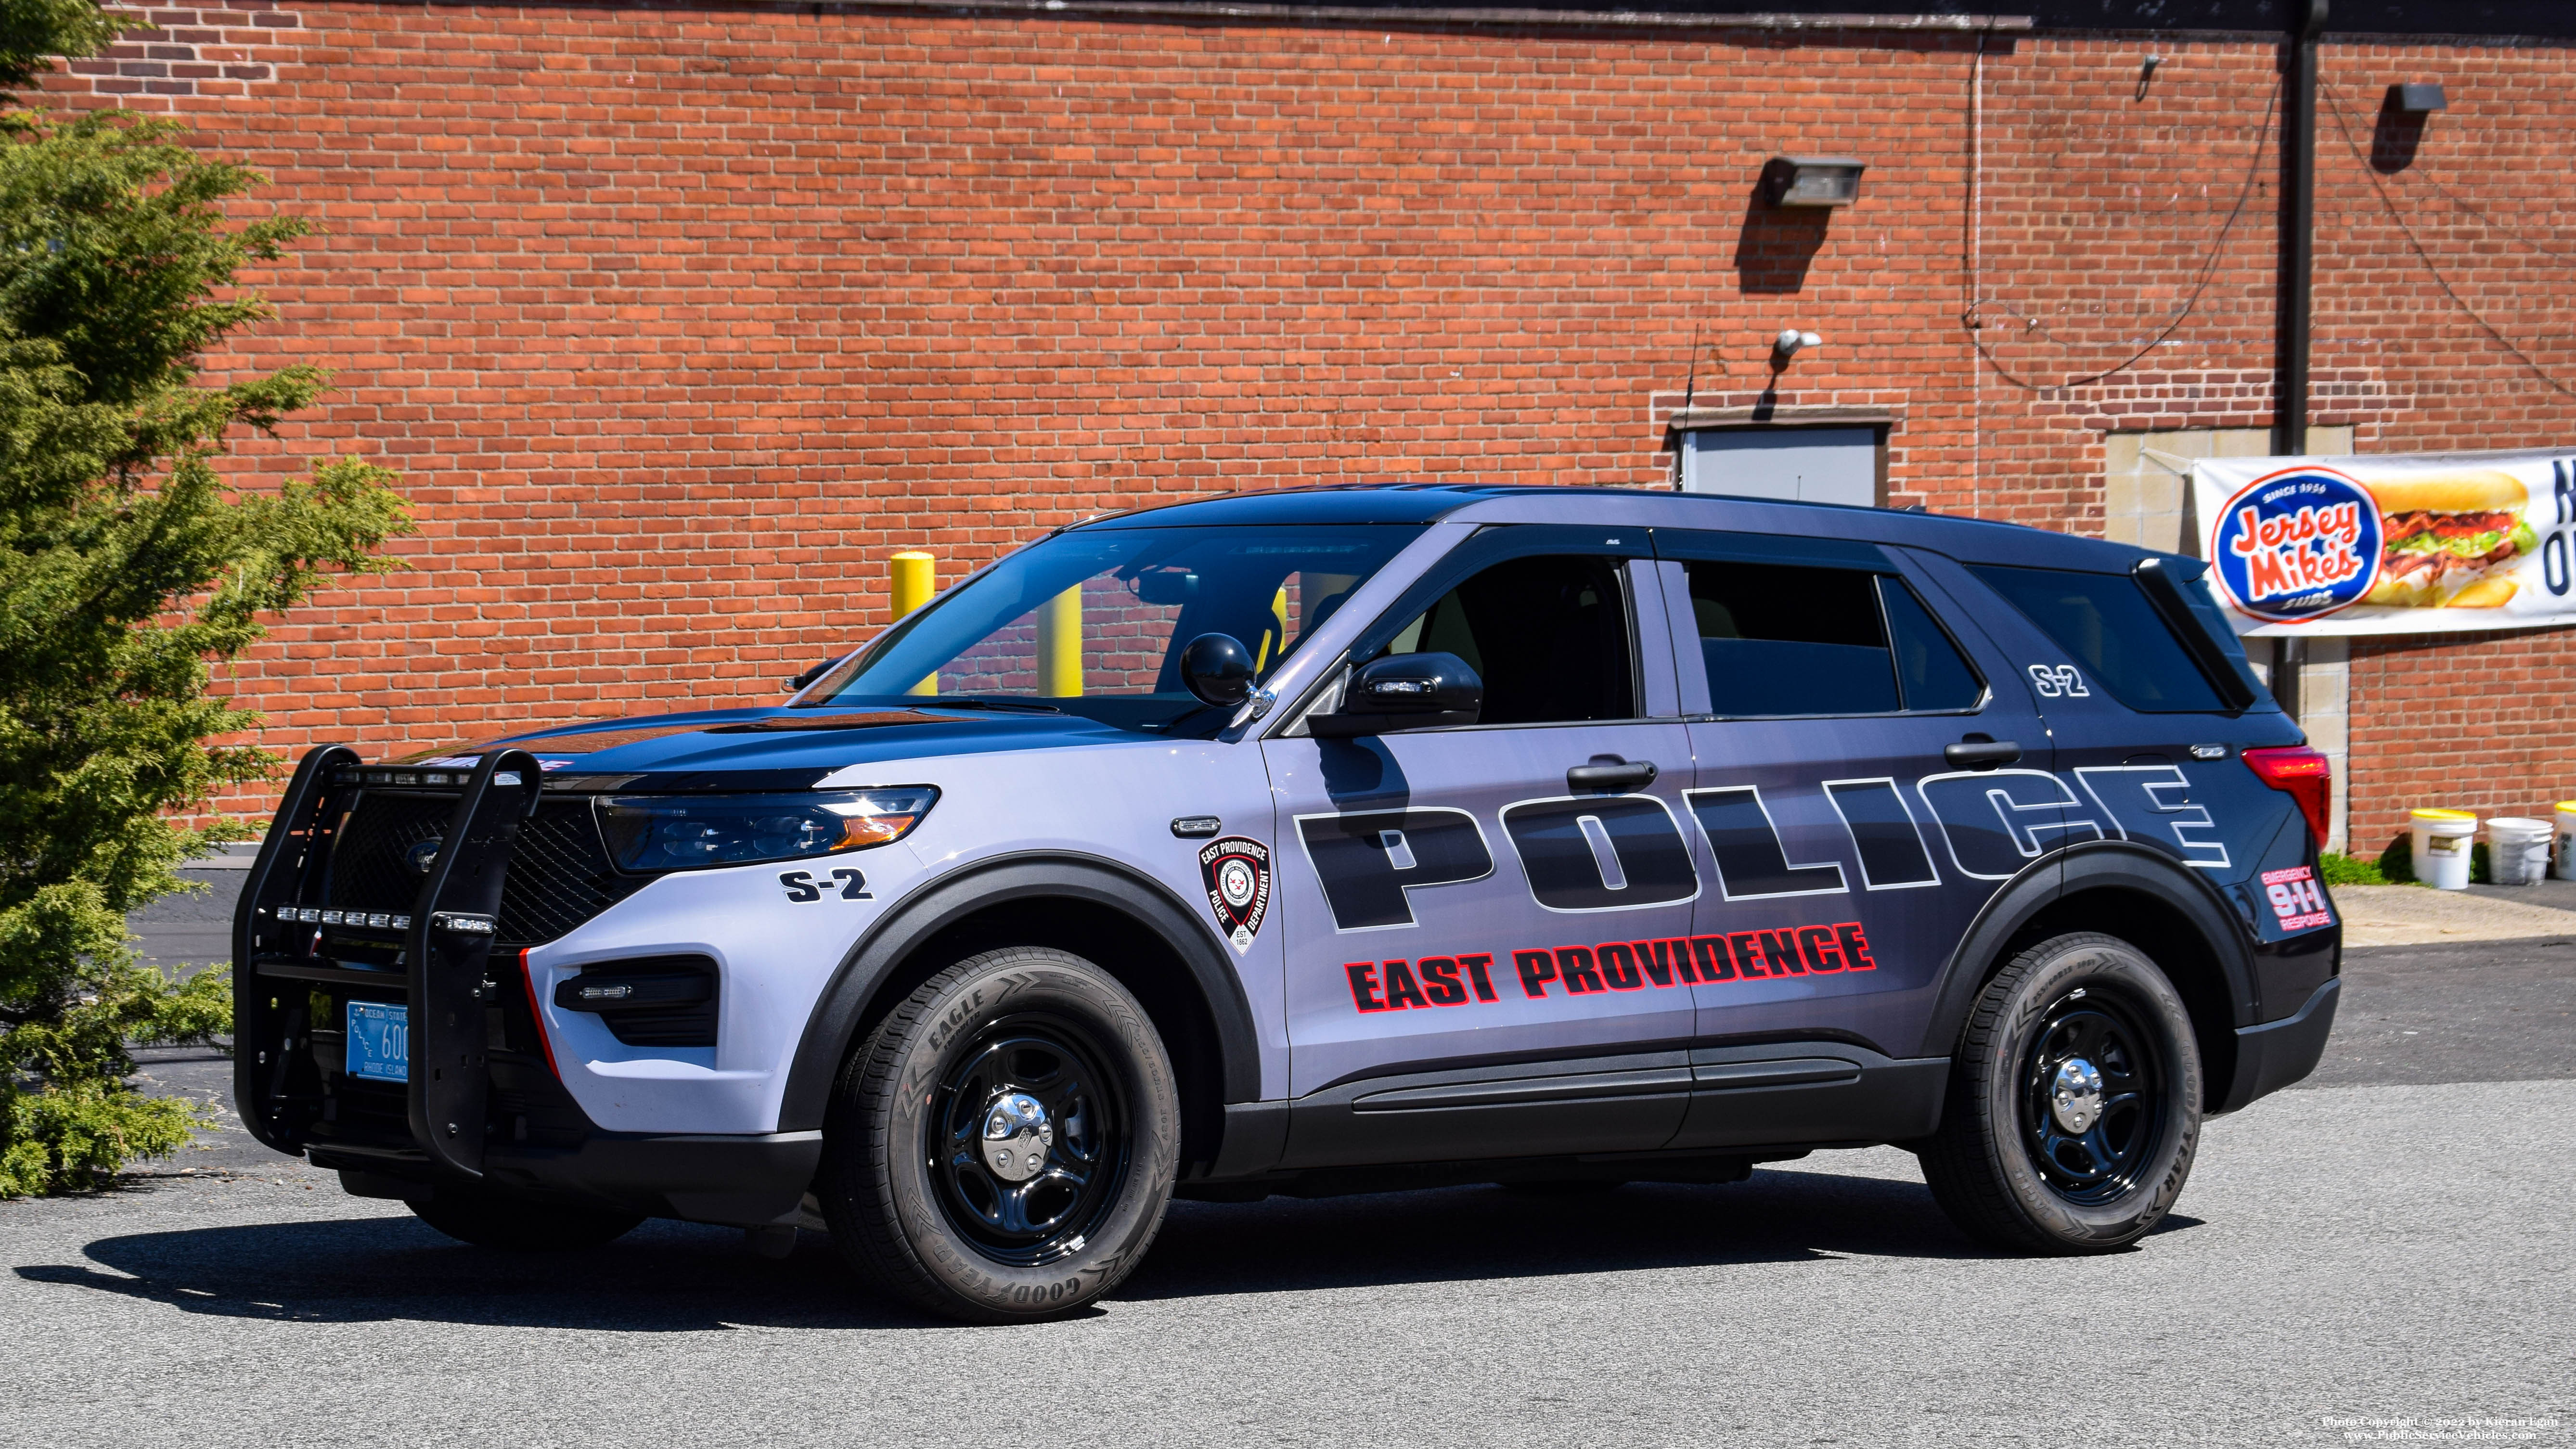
1237	872
2298	545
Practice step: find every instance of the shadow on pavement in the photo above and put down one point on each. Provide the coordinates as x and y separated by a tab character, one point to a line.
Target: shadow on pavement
678	1277
1285	1245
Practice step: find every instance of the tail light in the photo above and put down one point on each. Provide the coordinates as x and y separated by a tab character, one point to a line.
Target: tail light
2304	775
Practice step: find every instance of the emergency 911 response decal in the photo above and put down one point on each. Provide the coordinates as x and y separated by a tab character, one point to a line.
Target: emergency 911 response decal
1611	966
2298	902
1237	873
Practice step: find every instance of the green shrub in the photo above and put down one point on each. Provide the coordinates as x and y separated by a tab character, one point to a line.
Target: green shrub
2343	870
2397	862
128	567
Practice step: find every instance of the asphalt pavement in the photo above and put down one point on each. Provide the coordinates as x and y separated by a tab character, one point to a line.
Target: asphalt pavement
2383	1252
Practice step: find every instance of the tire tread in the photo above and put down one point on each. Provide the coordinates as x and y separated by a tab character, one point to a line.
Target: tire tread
1959	1159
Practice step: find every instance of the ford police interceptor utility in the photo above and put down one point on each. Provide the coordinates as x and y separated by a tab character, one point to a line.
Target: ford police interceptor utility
1324	842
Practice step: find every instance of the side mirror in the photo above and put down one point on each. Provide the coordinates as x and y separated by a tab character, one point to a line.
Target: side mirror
1404	692
1218	669
815	673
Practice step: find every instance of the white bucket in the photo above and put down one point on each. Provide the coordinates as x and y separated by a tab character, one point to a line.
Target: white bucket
2564	854
2442	841
2517	850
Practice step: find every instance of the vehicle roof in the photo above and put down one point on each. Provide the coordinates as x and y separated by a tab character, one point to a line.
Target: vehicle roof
1971	540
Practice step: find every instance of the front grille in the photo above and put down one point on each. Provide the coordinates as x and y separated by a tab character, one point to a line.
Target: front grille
370	865
559	872
559	875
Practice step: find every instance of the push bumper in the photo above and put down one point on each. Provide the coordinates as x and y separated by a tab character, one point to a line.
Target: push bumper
2277	1053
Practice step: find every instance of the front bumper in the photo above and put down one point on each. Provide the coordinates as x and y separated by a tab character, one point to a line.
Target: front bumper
735	1181
505	1084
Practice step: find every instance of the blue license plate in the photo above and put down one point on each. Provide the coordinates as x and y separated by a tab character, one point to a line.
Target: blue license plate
379	1041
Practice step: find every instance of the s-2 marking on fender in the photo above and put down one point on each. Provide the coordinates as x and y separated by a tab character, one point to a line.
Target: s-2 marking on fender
803	887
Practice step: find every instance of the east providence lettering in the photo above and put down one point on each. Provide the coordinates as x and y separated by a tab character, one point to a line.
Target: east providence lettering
1468	978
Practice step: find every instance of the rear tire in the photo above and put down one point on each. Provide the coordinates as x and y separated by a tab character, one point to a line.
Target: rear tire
516	1225
1002	1147
2074	1105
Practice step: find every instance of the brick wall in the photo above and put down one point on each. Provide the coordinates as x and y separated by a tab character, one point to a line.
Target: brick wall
678	321
2469	722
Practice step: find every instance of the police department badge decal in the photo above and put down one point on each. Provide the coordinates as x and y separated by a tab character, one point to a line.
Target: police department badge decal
1237	872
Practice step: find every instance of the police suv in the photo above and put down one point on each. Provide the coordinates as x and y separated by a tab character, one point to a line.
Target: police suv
1324	842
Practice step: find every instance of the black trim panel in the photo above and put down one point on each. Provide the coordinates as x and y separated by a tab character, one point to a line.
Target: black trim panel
1827	1095
1590	1104
737	1181
2278	1053
1779	1095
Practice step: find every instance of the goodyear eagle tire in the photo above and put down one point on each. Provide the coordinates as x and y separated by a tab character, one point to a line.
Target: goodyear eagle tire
1002	1147
512	1225
2074	1106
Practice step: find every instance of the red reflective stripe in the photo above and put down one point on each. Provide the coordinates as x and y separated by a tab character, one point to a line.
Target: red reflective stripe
538	1014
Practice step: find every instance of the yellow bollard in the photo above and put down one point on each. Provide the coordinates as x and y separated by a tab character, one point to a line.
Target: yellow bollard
1276	637
914	577
1060	645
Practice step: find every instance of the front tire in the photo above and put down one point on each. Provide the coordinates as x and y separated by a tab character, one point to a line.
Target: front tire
1003	1146
2074	1105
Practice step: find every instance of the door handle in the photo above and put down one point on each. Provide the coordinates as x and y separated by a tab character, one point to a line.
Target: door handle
1977	752
1609	772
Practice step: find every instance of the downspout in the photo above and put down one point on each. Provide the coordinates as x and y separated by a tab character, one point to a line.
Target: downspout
2298	257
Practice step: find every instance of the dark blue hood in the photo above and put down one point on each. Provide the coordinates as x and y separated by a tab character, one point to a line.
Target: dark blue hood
815	742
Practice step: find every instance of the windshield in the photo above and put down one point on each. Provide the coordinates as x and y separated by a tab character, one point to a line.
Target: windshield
1093	622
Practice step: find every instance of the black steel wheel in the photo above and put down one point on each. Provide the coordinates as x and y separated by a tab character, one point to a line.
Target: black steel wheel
1002	1146
2091	1105
1028	1139
2074	1105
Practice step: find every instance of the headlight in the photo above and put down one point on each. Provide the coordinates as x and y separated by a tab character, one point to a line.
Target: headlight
681	832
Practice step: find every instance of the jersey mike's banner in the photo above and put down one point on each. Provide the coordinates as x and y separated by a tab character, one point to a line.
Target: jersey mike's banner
2390	545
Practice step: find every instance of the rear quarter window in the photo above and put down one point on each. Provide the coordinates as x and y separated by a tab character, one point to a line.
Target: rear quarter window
2110	631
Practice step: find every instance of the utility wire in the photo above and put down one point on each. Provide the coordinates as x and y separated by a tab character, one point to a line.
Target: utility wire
2343	124
2462	202
2208	270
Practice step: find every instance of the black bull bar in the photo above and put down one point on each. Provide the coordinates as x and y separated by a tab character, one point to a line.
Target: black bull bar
447	954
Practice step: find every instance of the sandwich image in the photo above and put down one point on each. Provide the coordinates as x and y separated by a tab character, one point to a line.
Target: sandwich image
2448	538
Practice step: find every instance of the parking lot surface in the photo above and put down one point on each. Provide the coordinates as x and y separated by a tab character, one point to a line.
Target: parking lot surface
2390	1242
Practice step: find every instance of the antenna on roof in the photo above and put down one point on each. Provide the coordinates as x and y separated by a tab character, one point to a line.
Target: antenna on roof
1690	390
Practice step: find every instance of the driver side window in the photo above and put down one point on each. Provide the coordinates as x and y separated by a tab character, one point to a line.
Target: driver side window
1549	635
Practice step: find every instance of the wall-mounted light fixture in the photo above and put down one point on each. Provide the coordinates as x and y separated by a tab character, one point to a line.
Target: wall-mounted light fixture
1790	343
2414	98
1812	180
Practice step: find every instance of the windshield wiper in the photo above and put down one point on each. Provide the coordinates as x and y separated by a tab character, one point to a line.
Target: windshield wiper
1020	706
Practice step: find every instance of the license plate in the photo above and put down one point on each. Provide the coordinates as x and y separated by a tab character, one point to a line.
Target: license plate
379	1041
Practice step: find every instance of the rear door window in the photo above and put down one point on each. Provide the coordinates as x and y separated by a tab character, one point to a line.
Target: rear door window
2106	625
1787	640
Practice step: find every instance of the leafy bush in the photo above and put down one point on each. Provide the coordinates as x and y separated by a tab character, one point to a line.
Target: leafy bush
2343	870
2397	862
127	568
